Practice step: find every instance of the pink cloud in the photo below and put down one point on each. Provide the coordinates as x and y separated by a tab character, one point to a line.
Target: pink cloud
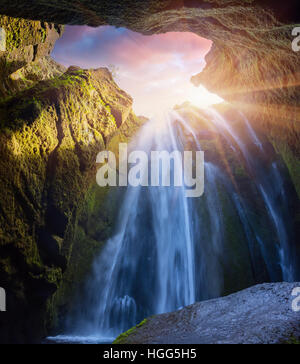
155	70
138	50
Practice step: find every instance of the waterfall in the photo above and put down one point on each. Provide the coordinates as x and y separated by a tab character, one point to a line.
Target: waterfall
270	187
169	251
148	266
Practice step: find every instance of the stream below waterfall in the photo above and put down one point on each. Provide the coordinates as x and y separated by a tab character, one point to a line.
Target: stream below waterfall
169	251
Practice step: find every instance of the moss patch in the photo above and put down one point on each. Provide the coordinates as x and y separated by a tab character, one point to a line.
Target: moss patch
121	339
53	217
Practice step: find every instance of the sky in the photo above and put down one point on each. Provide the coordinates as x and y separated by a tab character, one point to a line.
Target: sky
155	70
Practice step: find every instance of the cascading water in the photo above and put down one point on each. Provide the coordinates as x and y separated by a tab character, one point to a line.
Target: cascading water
168	250
270	186
149	265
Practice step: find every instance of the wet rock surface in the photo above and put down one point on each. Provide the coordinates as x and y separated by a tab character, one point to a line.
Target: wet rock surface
261	314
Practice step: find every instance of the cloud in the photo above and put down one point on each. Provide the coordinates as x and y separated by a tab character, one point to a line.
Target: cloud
153	69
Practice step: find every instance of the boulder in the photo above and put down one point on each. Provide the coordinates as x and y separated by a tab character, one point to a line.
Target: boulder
262	314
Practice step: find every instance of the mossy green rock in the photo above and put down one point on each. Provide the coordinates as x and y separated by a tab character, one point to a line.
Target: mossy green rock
121	339
24	46
53	219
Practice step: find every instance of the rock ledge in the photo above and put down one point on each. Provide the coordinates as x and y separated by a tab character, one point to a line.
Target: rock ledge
258	315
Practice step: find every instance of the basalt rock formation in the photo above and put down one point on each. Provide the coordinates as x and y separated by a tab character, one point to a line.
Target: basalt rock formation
251	62
259	315
53	123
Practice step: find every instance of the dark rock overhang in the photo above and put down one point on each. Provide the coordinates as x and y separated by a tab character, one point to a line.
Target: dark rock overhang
127	12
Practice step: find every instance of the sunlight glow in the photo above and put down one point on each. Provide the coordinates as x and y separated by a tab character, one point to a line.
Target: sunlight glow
201	97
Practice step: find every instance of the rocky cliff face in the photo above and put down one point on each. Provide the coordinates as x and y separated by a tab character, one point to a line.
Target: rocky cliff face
53	124
251	62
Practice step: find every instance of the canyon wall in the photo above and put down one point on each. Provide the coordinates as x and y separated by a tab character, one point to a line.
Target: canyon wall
53	221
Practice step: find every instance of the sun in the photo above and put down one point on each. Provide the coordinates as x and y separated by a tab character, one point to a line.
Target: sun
201	97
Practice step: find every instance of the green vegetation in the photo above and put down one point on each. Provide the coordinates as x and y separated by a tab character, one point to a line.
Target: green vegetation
293	341
21	32
121	339
54	218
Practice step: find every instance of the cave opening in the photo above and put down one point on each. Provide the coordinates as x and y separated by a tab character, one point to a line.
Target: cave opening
91	262
190	253
155	70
